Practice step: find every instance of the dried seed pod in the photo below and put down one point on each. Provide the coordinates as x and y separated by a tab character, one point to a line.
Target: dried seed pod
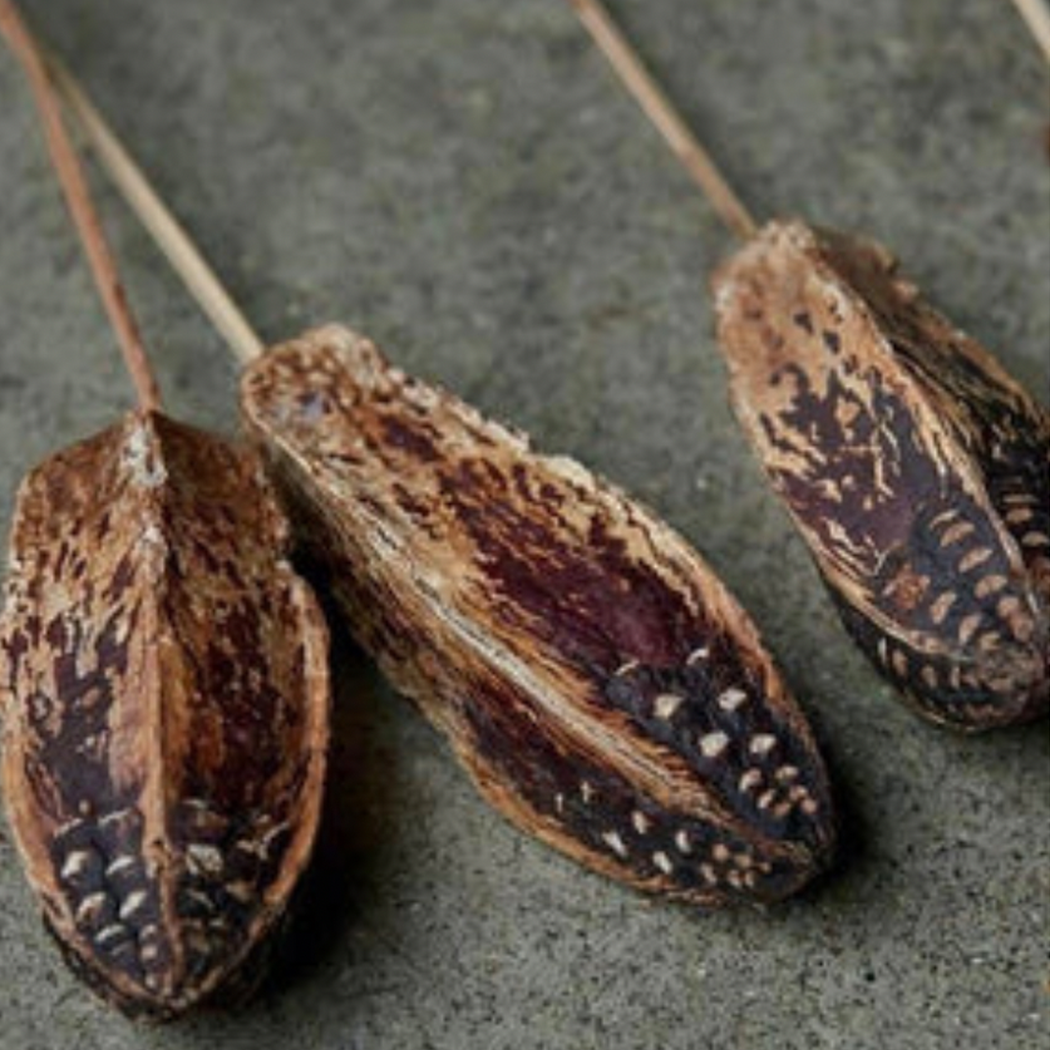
594	677
914	467
166	710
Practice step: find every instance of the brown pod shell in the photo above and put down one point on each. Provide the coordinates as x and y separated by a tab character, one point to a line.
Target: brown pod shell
914	467
594	677
166	710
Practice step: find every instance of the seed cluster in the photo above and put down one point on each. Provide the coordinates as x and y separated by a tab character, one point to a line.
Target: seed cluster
697	713
112	897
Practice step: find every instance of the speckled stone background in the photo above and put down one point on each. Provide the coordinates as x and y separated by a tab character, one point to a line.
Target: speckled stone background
465	181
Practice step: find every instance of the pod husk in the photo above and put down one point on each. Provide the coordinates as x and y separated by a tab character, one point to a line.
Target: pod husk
913	466
591	673
166	710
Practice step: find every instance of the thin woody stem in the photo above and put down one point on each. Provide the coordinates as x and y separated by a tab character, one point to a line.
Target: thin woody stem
659	109
78	197
1037	17
169	235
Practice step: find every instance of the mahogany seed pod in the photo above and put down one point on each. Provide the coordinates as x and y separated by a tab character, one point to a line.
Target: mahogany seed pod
166	699
914	467
599	684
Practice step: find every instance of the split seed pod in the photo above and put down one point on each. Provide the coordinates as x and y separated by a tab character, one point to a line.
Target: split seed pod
597	681
914	467
166	710
163	680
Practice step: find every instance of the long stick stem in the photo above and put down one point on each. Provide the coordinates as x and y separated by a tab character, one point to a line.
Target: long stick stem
658	107
1037	16
78	197
167	232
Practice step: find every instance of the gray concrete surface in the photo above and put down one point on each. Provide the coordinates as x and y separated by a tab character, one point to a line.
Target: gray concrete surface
464	181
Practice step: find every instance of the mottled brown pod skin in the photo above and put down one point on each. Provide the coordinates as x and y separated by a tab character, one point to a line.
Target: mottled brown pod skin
593	676
166	710
914	467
